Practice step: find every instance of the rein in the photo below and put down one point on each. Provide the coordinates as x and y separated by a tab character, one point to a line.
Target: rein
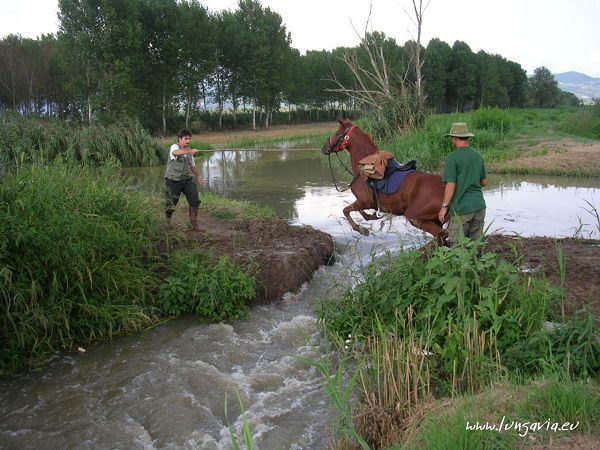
347	170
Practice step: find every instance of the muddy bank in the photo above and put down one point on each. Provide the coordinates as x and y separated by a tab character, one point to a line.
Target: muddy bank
582	258
282	257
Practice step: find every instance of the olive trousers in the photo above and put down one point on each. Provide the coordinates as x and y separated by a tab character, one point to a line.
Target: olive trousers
468	225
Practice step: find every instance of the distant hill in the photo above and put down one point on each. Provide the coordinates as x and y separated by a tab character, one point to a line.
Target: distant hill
582	85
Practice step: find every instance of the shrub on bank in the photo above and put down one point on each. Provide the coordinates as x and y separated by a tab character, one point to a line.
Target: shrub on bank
216	290
457	321
585	122
468	309
430	146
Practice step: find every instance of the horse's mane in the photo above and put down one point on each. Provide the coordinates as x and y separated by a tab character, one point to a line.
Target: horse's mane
368	140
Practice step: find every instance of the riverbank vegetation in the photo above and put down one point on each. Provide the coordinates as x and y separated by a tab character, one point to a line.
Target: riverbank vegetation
80	262
424	340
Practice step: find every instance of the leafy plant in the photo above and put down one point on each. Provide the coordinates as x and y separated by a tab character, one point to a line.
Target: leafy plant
217	290
471	308
493	119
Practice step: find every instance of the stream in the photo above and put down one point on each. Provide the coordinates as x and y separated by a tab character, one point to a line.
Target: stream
167	387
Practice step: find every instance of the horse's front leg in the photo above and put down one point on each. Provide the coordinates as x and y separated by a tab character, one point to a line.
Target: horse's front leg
368	216
356	206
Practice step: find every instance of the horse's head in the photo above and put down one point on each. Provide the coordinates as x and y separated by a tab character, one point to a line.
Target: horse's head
339	141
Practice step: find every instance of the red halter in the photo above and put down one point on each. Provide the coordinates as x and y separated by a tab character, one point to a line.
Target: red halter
344	144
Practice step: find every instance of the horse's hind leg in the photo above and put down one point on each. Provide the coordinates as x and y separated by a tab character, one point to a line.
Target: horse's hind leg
433	227
356	206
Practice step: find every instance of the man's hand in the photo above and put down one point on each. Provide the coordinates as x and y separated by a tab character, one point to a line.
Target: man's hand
201	180
443	213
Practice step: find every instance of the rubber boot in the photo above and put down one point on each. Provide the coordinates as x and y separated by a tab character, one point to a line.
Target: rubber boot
193	210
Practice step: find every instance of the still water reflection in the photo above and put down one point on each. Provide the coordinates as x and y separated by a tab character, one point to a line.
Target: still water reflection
298	185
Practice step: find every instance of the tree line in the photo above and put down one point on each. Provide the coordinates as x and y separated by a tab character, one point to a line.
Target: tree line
169	63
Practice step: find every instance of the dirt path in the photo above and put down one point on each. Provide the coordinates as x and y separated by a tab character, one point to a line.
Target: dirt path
539	254
555	155
224	137
282	257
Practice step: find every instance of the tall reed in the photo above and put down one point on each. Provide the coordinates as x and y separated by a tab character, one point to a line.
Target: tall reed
74	246
31	140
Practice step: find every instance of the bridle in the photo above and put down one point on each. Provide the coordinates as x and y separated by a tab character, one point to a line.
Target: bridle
341	143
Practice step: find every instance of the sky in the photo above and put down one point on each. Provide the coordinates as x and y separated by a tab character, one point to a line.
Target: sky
562	35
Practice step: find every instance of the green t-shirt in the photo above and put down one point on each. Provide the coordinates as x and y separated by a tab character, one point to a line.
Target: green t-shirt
465	167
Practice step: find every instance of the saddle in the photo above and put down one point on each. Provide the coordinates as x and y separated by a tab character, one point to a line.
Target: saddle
394	175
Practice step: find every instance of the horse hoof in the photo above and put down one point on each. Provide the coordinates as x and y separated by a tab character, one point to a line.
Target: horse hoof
364	231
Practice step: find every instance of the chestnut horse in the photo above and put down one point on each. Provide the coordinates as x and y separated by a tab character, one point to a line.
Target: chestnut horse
419	198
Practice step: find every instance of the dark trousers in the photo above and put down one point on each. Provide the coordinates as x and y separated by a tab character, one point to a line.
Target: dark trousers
173	190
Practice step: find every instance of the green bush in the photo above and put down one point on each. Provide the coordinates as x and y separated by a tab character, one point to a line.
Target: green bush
73	250
455	297
213	290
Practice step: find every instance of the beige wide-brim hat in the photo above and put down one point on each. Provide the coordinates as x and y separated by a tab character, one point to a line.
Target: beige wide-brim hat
459	129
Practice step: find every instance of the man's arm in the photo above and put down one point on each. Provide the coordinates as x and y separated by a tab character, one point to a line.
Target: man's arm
185	151
448	194
483	182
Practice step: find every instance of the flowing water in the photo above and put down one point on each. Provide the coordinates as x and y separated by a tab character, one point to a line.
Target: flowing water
166	387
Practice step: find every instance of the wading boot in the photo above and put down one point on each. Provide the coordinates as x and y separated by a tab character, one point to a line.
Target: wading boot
193	210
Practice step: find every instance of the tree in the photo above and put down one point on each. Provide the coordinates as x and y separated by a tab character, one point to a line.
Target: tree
517	90
102	42
491	80
266	53
197	52
438	57
461	88
543	89
162	40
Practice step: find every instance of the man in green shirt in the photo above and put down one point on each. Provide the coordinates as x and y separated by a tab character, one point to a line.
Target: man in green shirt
464	175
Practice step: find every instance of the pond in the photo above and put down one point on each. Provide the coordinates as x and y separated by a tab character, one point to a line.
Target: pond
166	387
298	185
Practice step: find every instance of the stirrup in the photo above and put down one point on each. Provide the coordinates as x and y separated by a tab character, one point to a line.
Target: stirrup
378	213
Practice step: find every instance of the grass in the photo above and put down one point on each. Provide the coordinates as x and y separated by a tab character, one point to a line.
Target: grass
79	263
228	209
300	141
73	252
526	414
430	145
450	325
